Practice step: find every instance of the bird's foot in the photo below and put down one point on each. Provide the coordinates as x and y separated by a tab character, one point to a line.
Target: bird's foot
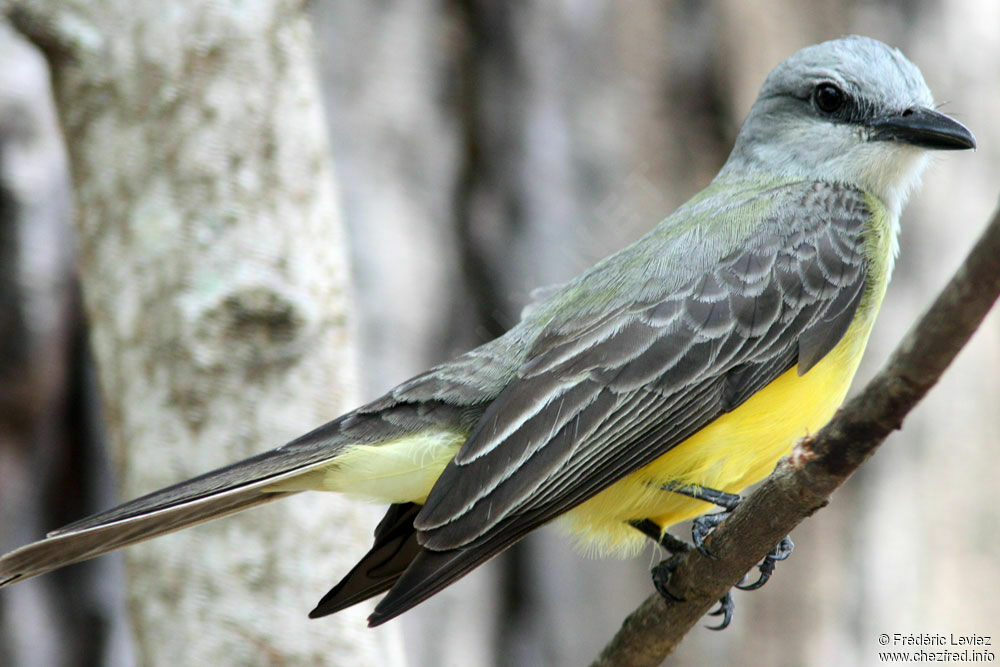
661	576
725	610
703	526
781	551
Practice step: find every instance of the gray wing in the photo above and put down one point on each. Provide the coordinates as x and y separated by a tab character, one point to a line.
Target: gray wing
597	401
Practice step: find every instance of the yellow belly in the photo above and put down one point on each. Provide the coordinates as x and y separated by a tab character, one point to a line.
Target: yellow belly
729	454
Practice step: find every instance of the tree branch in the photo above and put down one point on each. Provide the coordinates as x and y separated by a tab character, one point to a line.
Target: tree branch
803	482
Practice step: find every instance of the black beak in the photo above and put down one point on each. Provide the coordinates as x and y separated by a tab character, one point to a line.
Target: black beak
925	128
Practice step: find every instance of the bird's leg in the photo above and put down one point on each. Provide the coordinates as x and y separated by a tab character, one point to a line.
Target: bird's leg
727	501
661	573
652	530
703	525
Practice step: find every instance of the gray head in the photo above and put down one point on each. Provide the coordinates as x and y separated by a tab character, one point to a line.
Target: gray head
851	110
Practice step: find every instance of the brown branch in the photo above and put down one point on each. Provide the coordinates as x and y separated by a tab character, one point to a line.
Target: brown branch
803	482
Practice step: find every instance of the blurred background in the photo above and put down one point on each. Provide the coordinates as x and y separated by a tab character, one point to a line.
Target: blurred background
482	149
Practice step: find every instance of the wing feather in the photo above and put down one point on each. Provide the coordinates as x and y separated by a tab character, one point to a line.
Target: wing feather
665	369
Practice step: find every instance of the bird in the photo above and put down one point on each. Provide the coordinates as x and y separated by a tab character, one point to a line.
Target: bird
661	381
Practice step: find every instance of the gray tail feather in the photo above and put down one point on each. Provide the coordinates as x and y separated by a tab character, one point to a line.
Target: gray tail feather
66	547
230	489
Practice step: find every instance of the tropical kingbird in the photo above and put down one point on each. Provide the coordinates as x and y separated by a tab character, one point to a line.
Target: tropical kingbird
691	360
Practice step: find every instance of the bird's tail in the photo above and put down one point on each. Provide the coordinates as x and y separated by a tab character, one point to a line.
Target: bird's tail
230	489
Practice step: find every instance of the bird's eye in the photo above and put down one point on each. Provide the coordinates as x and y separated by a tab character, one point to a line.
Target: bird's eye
828	97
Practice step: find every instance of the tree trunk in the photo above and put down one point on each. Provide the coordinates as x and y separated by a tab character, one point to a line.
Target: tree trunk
215	278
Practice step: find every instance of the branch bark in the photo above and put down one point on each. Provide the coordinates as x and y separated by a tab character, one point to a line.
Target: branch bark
802	483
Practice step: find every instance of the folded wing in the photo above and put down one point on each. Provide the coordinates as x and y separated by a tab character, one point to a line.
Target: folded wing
601	398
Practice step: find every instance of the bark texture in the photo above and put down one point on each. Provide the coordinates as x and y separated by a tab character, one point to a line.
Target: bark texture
215	278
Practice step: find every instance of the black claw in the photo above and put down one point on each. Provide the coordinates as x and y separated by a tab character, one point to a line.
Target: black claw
765	574
781	551
725	610
702	526
661	576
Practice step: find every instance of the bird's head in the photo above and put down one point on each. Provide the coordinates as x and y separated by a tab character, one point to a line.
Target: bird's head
851	110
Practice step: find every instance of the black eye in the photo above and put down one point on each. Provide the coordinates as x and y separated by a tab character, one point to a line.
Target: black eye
828	97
